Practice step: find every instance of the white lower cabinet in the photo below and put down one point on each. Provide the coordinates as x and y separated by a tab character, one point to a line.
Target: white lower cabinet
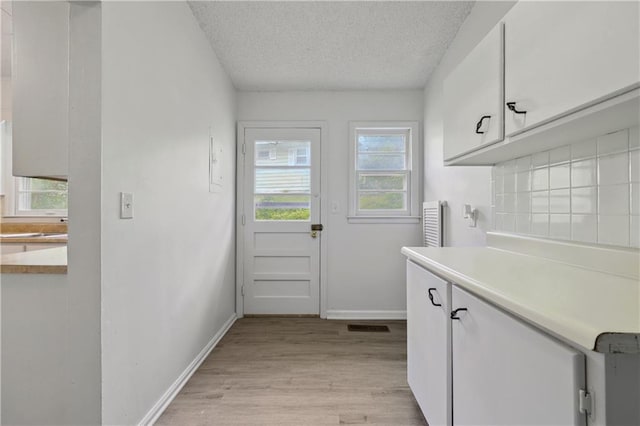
507	373
428	343
485	367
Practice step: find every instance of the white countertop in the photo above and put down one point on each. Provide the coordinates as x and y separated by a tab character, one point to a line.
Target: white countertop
584	307
45	261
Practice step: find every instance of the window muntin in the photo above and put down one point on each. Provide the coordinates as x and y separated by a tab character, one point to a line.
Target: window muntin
36	196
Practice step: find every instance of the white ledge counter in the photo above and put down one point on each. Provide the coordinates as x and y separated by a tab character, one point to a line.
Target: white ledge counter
45	261
596	310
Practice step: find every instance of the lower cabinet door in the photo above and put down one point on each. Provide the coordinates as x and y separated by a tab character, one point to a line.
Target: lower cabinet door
429	343
507	373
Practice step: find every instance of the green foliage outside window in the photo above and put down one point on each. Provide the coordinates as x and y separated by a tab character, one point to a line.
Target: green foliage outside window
42	194
282	207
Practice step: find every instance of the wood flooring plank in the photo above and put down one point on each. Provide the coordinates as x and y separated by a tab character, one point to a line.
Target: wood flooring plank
300	371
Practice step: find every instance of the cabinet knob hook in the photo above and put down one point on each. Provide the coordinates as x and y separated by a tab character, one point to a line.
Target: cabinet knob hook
431	297
512	107
479	124
455	312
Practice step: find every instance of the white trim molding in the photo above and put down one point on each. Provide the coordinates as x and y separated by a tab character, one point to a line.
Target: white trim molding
158	408
366	315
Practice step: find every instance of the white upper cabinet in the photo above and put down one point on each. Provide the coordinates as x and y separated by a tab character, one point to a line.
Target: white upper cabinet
563	56
41	88
571	71
474	109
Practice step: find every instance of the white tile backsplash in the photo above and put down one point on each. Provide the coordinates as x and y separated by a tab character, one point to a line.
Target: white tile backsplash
583	173
509	182
584	228
635	198
583	150
560	201
540	224
523	224
588	191
613	230
523	181
540	202
560	226
634	165
613	169
560	176
540	179
523	202
613	199
584	200
560	155
613	142
634	233
540	159
634	138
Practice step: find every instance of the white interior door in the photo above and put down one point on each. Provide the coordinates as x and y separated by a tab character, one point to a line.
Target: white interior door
281	203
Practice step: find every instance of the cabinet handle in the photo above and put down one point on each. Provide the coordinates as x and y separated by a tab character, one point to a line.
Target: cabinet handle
453	313
479	124
512	107
431	297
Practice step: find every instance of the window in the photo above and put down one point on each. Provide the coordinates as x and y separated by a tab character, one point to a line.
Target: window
267	154
41	197
299	156
384	172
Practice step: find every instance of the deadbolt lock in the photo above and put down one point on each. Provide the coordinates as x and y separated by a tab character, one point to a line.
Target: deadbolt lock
315	228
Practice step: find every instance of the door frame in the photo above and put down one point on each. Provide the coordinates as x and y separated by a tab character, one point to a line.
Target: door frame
240	207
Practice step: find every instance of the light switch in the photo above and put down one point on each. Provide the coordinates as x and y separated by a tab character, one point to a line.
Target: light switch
335	207
126	205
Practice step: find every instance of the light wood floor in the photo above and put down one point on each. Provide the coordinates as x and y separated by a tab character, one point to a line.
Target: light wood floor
300	371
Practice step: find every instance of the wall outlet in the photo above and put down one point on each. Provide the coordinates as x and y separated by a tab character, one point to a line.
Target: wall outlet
126	205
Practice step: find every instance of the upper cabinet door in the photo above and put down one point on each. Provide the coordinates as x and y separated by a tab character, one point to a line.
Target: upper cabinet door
41	88
564	56
474	97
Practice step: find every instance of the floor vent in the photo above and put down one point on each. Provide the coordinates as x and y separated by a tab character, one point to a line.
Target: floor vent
368	328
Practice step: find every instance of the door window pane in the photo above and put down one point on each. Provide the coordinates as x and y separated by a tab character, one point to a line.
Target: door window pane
279	152
282	180
282	207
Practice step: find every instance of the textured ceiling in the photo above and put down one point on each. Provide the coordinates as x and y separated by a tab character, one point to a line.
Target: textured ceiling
321	45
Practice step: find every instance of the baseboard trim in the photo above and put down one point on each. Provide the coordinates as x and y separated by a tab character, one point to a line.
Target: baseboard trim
158	408
366	315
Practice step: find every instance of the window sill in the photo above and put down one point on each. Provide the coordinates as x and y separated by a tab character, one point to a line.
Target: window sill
384	219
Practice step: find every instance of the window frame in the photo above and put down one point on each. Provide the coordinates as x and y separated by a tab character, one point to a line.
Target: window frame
34	212
411	214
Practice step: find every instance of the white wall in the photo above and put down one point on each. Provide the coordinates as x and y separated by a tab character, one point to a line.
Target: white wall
458	185
365	267
168	273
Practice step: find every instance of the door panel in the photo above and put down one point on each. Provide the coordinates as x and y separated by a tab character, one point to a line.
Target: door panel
281	201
